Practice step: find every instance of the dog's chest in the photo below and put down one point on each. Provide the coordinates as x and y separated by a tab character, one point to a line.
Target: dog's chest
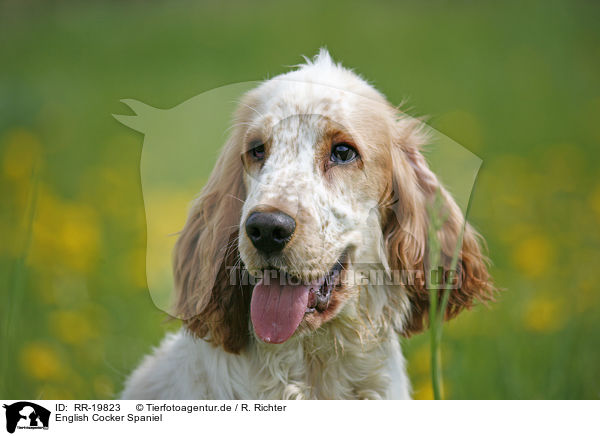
307	372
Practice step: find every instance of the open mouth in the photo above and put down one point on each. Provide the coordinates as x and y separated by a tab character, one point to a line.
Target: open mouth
320	293
280	301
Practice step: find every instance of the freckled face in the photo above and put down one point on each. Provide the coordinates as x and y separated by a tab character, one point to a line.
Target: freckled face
318	172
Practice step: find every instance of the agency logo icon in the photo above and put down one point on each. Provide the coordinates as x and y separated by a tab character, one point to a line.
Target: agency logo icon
26	415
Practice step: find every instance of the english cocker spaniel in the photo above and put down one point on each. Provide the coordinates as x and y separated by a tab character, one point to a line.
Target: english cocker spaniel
305	255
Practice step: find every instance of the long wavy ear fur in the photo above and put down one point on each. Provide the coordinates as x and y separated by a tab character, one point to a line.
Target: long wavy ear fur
210	298
405	226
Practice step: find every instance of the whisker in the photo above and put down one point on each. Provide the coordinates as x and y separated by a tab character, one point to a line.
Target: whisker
251	108
237	198
230	244
234	125
340	264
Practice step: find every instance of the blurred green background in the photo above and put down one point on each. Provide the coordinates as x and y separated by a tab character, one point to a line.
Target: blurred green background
517	83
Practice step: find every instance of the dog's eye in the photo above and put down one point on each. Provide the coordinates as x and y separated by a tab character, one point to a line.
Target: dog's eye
258	151
343	153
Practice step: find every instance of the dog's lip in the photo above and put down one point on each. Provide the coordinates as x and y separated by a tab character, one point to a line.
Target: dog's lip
308	277
319	296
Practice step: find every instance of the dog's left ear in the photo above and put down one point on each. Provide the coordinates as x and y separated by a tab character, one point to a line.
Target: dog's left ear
406	222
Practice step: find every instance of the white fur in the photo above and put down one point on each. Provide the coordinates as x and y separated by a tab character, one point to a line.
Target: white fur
184	367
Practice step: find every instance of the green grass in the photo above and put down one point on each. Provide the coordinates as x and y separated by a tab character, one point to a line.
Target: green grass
516	83
16	285
437	314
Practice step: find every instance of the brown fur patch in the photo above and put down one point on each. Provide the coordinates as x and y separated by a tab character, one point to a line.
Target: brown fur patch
405	226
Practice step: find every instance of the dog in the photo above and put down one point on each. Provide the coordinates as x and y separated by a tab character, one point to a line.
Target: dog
321	183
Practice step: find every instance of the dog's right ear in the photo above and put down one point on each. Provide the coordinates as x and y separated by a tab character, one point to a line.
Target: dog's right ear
210	298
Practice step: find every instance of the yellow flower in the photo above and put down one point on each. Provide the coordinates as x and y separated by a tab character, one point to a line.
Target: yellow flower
420	361
65	233
166	213
40	361
424	391
79	235
22	150
545	315
533	255
420	369
72	327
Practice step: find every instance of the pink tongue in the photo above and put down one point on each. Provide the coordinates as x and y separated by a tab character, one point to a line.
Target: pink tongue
277	310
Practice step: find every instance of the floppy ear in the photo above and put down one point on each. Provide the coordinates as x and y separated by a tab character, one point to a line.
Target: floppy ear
210	297
406	224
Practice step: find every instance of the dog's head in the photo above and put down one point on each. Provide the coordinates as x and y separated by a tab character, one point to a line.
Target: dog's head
321	175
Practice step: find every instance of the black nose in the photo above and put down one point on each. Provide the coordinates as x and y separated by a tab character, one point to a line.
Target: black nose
270	231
